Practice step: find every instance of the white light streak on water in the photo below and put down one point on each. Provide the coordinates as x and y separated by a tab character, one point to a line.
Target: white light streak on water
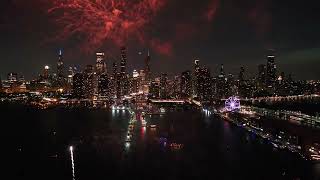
72	161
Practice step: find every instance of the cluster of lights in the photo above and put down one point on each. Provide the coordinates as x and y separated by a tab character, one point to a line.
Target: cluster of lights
232	104
176	146
206	111
315	153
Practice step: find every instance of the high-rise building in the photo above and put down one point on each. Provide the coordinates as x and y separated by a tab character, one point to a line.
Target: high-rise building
242	87
221	84
155	89
45	75
186	84
271	69
123	62
124	83
176	87
222	73
147	67
242	75
196	77
118	85
103	86
78	85
204	85
60	69
71	72
114	69
101	66
134	82
113	81
89	81
163	86
261	76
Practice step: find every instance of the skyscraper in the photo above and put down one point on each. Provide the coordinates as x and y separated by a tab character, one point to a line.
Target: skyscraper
101	66
204	85
271	69
241	75
242	89
78	85
113	81
89	81
186	84
71	72
45	74
103	86
124	83
60	69
134	83
118	85
196	73
155	88
123	62
147	67
261	75
163	86
222	73
221	84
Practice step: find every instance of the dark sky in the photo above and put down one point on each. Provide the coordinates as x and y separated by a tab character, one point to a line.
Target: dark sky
233	32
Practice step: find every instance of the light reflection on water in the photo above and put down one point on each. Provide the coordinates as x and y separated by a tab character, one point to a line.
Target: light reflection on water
72	162
251	155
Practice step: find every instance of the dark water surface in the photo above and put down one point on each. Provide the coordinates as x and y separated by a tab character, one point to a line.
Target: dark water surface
36	146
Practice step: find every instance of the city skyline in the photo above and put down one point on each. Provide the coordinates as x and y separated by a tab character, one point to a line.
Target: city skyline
160	89
232	32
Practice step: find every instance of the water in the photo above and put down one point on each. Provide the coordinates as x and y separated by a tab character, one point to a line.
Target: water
37	146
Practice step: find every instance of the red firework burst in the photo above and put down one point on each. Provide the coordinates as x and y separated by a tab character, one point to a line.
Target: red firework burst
100	21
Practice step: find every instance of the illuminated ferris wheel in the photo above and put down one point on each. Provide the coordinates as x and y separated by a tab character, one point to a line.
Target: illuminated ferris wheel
232	104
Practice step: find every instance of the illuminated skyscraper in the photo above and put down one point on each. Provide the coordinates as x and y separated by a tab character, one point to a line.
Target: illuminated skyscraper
242	88
221	84
123	62
118	85
155	88
163	86
261	76
204	85
71	72
45	74
101	66
78	85
113	81
135	82
175	91
271	69
103	86
124	83
60	69
196	74
186	84
89	81
147	67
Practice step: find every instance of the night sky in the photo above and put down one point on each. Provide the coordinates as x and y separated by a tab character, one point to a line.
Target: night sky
233	32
